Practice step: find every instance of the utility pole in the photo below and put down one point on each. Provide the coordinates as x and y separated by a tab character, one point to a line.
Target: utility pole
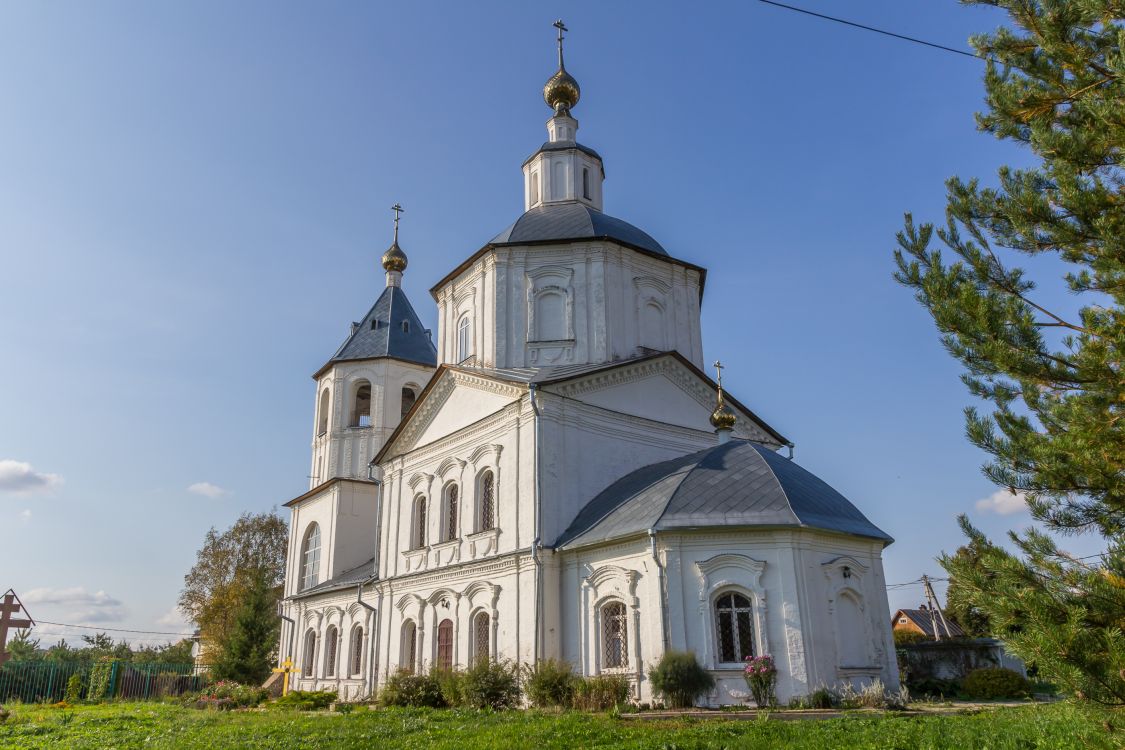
935	610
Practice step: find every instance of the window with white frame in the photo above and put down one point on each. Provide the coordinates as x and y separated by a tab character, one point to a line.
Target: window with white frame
308	666
331	646
449	530
482	637
322	413
361	405
418	530
735	631
409	396
409	660
615	634
487	501
445	644
464	339
310	557
356	651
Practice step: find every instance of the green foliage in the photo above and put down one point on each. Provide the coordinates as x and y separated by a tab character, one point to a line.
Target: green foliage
306	700
680	678
601	693
930	688
247	653
74	686
23	647
959	596
416	690
550	683
228	694
100	674
451	683
1053	381
224	570
823	697
995	682
491	684
906	637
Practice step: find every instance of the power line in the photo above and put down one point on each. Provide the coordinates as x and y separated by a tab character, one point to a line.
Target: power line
884	32
115	630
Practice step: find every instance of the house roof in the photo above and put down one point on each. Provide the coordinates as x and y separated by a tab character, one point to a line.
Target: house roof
574	221
392	329
738	483
347	579
921	618
322	487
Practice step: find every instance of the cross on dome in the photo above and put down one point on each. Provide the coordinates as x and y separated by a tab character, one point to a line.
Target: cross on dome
561	92
394	260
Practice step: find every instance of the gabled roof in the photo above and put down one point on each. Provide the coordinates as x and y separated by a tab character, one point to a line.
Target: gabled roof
921	618
737	484
382	333
347	579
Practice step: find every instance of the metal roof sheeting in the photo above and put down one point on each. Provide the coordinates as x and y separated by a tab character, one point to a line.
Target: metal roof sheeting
574	221
738	483
381	333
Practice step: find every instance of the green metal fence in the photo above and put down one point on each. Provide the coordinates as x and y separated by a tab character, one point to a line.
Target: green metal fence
47	681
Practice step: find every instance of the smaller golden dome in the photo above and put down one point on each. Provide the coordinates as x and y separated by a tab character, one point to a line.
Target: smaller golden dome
394	259
722	418
561	92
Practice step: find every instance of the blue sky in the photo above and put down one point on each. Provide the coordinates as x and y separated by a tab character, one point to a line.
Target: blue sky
193	198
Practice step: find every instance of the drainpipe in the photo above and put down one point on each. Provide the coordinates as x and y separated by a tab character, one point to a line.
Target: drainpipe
372	638
533	389
790	447
660	576
288	654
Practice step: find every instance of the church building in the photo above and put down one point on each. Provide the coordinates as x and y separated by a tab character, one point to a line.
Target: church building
554	475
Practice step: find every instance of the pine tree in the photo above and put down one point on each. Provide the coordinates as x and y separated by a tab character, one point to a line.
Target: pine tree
247	653
1053	382
959	596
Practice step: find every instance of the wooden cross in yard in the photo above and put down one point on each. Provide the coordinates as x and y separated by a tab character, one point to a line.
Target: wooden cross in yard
286	669
10	607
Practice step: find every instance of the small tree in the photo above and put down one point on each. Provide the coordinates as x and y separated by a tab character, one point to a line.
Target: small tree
23	647
680	678
247	654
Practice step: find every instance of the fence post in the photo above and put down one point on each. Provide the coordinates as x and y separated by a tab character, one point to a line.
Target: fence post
112	691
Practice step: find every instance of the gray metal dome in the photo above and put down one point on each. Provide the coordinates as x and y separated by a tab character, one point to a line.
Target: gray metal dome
574	221
735	484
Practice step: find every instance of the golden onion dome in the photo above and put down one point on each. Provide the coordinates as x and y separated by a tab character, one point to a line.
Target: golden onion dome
722	418
394	259
561	92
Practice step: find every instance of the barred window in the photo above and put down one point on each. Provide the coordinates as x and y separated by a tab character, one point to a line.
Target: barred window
356	651
736	633
445	644
482	623
310	557
331	641
308	667
451	496
487	501
419	531
409	661
615	649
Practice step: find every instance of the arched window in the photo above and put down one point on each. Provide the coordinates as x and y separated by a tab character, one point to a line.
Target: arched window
449	531
332	646
482	638
487	501
322	413
464	339
409	660
615	633
361	408
534	188
445	644
408	399
550	316
585	183
418	531
310	557
406	326
356	651
733	615
308	666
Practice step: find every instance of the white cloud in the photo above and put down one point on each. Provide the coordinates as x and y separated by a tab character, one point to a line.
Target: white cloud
25	514
1003	503
78	605
173	619
207	489
20	478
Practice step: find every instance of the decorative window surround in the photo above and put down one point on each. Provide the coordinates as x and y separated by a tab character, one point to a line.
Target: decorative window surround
446	553
483	543
415	559
731	572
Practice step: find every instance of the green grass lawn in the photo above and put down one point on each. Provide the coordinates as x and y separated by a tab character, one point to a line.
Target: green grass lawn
153	725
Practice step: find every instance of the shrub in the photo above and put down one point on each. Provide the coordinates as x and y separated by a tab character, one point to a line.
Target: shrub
906	637
933	688
550	683
680	678
451	684
872	695
74	688
822	697
995	682
601	693
99	680
405	689
226	694
761	677
306	700
491	684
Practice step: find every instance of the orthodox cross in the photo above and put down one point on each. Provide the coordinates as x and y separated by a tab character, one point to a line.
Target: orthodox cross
398	210
10	607
286	669
561	27
719	373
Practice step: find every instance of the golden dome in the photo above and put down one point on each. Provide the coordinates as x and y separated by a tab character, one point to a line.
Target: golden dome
561	91
722	418
394	259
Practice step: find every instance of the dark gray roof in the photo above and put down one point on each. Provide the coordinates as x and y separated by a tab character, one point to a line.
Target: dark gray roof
574	221
381	333
738	483
565	146
921	618
353	577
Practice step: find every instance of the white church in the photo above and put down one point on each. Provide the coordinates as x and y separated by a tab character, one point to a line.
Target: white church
555	475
